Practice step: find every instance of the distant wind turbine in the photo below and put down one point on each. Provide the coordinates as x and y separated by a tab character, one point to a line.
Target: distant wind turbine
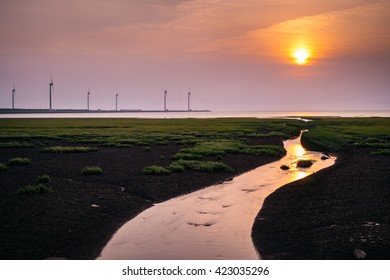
88	93
116	101
13	97
51	85
165	99
189	100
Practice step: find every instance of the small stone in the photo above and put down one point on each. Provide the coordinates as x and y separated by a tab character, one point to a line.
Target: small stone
95	206
284	167
359	254
304	163
364	240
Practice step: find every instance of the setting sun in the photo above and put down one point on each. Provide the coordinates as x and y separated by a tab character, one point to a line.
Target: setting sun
301	56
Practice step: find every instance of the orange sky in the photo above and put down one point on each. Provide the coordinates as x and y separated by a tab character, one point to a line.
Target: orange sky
234	55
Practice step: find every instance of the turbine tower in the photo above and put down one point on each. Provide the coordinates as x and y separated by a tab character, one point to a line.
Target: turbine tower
116	101
189	100
165	99
13	97
50	91
88	93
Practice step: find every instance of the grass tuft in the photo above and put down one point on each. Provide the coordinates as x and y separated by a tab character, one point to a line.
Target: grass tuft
44	179
19	161
175	167
156	170
68	149
3	167
30	189
202	166
16	145
186	156
92	170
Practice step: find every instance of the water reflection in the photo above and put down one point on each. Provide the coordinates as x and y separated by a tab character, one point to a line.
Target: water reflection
212	223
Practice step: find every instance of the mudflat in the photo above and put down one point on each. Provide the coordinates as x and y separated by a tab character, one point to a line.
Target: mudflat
331	214
78	218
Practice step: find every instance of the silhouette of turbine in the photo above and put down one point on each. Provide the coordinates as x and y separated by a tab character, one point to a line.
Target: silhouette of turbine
116	101
165	99
13	97
189	100
51	85
88	93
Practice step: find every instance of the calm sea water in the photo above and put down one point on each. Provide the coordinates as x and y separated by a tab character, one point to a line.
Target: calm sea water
216	114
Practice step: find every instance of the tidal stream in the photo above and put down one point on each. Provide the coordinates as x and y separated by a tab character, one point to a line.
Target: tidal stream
212	223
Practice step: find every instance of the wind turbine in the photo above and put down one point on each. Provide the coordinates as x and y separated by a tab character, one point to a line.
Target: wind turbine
189	100
88	93
165	99
116	101
13	97
50	90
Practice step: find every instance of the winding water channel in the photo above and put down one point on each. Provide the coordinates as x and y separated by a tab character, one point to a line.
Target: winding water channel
212	223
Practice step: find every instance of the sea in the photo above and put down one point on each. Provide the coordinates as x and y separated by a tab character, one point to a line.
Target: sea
202	115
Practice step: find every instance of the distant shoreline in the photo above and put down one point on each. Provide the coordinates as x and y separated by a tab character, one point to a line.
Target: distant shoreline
62	111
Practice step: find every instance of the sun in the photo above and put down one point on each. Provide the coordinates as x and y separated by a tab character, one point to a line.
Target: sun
301	56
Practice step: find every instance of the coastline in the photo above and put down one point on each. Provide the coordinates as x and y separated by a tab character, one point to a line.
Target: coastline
342	208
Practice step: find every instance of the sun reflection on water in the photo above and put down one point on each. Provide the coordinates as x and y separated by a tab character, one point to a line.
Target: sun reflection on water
298	150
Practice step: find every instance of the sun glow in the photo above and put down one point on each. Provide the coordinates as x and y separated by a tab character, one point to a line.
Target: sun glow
301	56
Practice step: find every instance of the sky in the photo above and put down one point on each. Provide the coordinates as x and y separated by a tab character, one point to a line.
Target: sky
252	55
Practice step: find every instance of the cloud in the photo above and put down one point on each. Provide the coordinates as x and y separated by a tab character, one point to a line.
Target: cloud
152	27
359	31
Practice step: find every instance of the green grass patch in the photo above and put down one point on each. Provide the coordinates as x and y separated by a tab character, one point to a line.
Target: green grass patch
144	132
175	167
30	189
182	165
322	139
333	134
16	145
265	150
220	148
186	156
44	179
92	170
3	167
19	161
215	148
202	166
156	170
68	149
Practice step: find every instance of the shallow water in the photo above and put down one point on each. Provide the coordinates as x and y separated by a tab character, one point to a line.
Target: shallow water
212	223
193	114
